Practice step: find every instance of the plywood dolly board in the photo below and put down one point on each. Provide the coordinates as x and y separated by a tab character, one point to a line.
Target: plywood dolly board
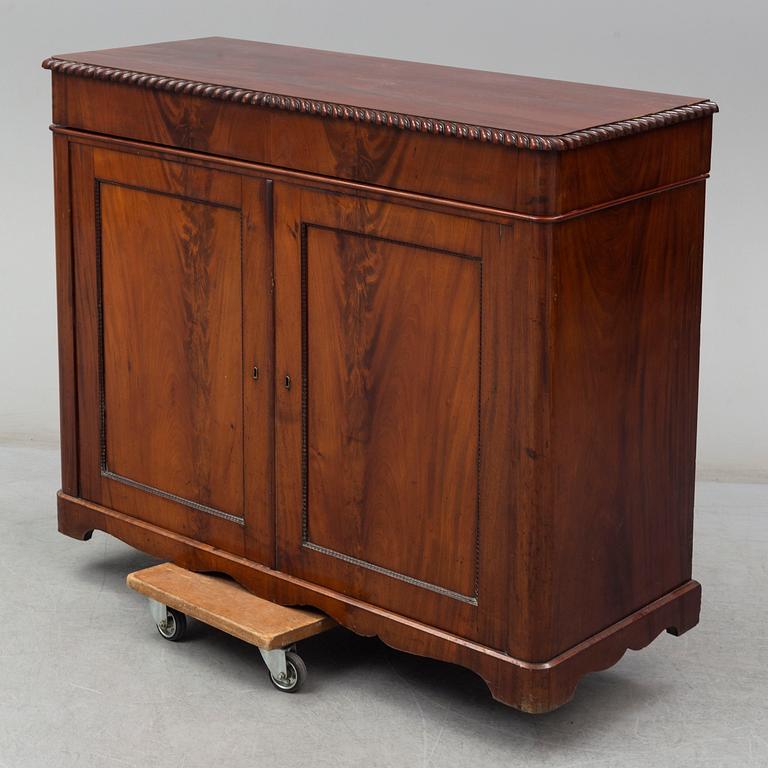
175	593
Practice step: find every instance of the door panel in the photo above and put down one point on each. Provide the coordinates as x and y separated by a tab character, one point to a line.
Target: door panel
378	327
393	344
164	256
172	341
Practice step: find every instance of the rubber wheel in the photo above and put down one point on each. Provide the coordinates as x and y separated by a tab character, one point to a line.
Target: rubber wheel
296	674
175	626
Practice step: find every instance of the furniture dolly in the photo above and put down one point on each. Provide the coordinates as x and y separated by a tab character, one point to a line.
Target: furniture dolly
175	593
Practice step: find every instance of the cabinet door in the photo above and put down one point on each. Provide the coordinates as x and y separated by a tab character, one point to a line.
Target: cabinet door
173	311
378	359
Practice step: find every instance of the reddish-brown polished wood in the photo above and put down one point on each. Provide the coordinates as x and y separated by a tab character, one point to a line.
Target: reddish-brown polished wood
65	301
378	314
526	105
399	427
443	389
172	342
258	369
624	379
159	254
528	183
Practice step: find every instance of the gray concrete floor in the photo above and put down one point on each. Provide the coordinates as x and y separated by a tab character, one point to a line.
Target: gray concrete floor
85	680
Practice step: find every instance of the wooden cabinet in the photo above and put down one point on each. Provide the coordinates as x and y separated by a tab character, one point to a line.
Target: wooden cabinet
434	375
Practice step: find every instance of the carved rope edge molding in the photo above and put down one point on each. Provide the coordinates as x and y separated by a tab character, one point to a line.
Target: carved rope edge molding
392	119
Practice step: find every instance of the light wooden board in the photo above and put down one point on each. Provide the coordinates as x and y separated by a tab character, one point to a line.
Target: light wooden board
227	606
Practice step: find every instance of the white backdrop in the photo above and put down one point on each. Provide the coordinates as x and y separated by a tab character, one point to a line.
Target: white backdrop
692	47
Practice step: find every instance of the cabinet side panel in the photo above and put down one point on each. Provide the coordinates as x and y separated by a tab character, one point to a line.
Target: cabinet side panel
65	297
614	169
627	299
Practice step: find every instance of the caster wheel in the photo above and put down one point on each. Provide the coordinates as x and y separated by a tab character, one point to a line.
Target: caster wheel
295	674
174	627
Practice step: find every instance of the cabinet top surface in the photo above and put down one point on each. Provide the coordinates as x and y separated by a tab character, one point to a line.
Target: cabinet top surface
522	111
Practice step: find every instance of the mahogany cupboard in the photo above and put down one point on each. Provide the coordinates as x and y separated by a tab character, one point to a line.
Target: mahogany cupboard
415	345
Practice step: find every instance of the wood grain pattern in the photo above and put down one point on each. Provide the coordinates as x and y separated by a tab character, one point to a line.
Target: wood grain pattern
392	346
258	372
527	183
65	303
516	525
473	428
362	246
166	304
223	604
171	298
527	112
624	374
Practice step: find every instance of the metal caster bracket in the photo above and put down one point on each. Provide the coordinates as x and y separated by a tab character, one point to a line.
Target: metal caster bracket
159	612
275	661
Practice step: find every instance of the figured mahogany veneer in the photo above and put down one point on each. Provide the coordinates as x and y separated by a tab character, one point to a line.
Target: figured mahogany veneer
414	345
546	114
